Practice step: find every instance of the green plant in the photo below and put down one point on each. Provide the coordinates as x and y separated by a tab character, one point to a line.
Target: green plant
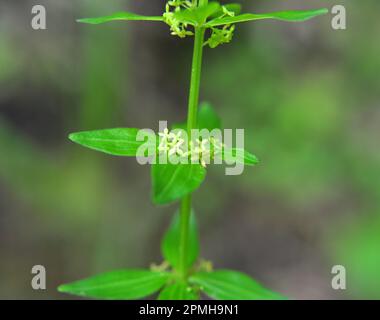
181	276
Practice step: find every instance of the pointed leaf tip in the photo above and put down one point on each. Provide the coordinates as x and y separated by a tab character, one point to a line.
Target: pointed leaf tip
72	136
62	288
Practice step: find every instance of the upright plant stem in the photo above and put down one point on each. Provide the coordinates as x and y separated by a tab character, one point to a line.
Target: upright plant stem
202	2
195	80
185	209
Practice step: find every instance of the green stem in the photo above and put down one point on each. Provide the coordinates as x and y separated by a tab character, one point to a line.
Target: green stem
191	124
185	211
203	2
195	80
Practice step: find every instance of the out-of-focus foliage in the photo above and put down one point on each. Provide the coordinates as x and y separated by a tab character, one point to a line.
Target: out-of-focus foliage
357	247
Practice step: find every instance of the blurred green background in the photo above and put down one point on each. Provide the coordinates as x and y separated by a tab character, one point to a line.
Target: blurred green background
307	96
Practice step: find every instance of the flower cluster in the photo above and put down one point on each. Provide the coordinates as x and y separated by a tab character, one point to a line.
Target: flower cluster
224	34
200	150
171	143
177	27
219	35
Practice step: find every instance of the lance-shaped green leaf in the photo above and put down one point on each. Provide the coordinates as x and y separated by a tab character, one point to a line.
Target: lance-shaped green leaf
127	16
231	285
237	155
291	16
121	284
178	291
197	16
171	242
171	182
118	142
